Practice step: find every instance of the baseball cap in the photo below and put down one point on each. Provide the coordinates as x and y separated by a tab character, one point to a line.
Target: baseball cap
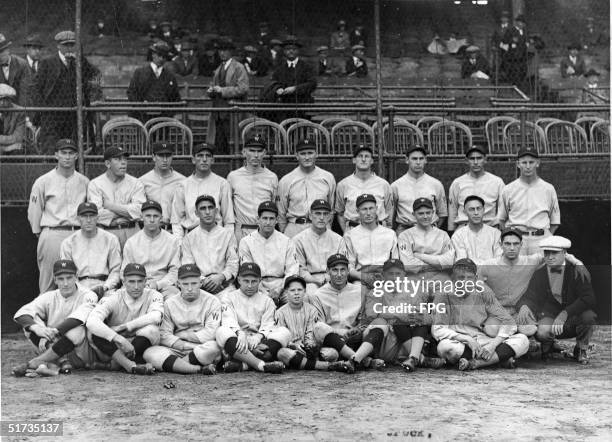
115	152
162	148
65	37
477	148
421	202
414	148
465	263
205	198
556	243
361	147
150	204
187	270
336	258
305	144
366	197
524	151
511	231
85	208
294	278
65	143
393	264
267	206
249	268
133	269
203	146
473	198
256	142
62	266
320	204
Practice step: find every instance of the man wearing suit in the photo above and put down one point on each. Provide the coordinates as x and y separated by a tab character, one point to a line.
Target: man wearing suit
230	83
356	66
33	45
475	65
186	63
55	86
573	64
514	52
561	303
14	71
153	82
12	124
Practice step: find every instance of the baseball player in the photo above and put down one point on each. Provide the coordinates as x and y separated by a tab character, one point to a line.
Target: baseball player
212	248
424	248
362	181
368	244
529	203
125	324
300	187
251	185
475	330
338	332
53	322
96	253
160	184
118	196
52	210
299	318
187	334
417	184
203	181
477	181
271	250
248	326
314	245
156	249
476	240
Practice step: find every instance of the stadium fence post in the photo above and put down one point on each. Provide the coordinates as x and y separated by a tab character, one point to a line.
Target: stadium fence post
379	118
79	84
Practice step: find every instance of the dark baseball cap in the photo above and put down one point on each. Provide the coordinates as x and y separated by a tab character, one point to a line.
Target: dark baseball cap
249	268
205	198
150	204
294	278
465	263
255	142
187	270
415	148
133	269
66	143
473	198
320	204
337	258
511	231
267	206
476	148
361	147
525	151
115	152
393	264
64	266
159	148
87	207
365	198
203	146
305	144
421	202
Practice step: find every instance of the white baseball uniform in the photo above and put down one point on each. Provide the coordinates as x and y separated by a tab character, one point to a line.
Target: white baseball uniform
476	245
407	189
312	251
489	187
433	242
162	189
364	247
300	322
351	187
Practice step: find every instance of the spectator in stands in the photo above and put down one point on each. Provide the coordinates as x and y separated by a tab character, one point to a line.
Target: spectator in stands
356	66
12	124
324	62
209	61
514	58
54	86
263	36
175	48
152	30
573	64
592	37
14	71
475	65
340	40
165	32
230	83
358	36
592	83
153	82
33	45
500	31
99	29
186	62
254	64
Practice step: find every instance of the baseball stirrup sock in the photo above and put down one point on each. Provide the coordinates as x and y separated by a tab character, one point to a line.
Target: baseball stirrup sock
334	341
504	352
296	361
230	346
402	332
273	348
375	337
193	360
106	347
63	346
467	353
168	364
311	364
140	344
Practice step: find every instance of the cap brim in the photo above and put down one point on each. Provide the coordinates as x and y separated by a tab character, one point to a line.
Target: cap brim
87	212
64	272
170	151
422	205
249	273
190	275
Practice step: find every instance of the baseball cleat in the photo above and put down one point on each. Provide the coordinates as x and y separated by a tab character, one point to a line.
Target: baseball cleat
410	364
508	363
208	369
428	362
342	366
66	368
464	364
274	367
377	364
232	367
534	346
143	369
21	370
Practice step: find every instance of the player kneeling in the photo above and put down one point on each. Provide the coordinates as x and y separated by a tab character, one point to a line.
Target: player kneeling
299	318
475	330
126	323
248	334
54	323
188	329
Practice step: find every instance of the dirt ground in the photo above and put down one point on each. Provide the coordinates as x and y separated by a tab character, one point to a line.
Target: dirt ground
558	400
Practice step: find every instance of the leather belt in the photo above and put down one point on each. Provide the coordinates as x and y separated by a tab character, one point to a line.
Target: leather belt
302	220
405	226
249	226
353	223
127	225
64	228
100	277
538	232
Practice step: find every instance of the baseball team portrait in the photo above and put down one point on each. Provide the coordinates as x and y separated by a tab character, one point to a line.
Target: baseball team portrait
285	220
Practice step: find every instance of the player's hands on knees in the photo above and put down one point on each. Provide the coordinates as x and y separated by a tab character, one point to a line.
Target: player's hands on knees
557	326
242	346
48	333
475	347
488	350
42	344
254	341
216	281
297	347
124	345
525	315
119	328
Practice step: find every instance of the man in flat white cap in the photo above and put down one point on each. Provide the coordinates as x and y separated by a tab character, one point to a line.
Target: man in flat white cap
562	304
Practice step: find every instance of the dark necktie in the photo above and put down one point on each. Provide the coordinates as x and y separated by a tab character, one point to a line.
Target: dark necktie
555	270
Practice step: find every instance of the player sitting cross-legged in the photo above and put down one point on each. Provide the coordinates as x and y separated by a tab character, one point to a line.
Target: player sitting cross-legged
300	318
53	321
248	326
125	324
188	329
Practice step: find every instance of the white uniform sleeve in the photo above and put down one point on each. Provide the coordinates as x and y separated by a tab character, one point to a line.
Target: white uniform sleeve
114	263
36	206
96	320
212	323
179	212
153	316
231	259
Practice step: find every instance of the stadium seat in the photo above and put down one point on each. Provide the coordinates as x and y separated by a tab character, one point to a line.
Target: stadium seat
565	138
405	134
600	137
329	122
544	122
153	121
449	138
534	137
174	133
424	123
287	122
494	131
128	133
345	135
308	129
273	133
587	122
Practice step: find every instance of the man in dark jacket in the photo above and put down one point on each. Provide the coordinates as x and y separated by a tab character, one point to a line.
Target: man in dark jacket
561	303
13	71
475	65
